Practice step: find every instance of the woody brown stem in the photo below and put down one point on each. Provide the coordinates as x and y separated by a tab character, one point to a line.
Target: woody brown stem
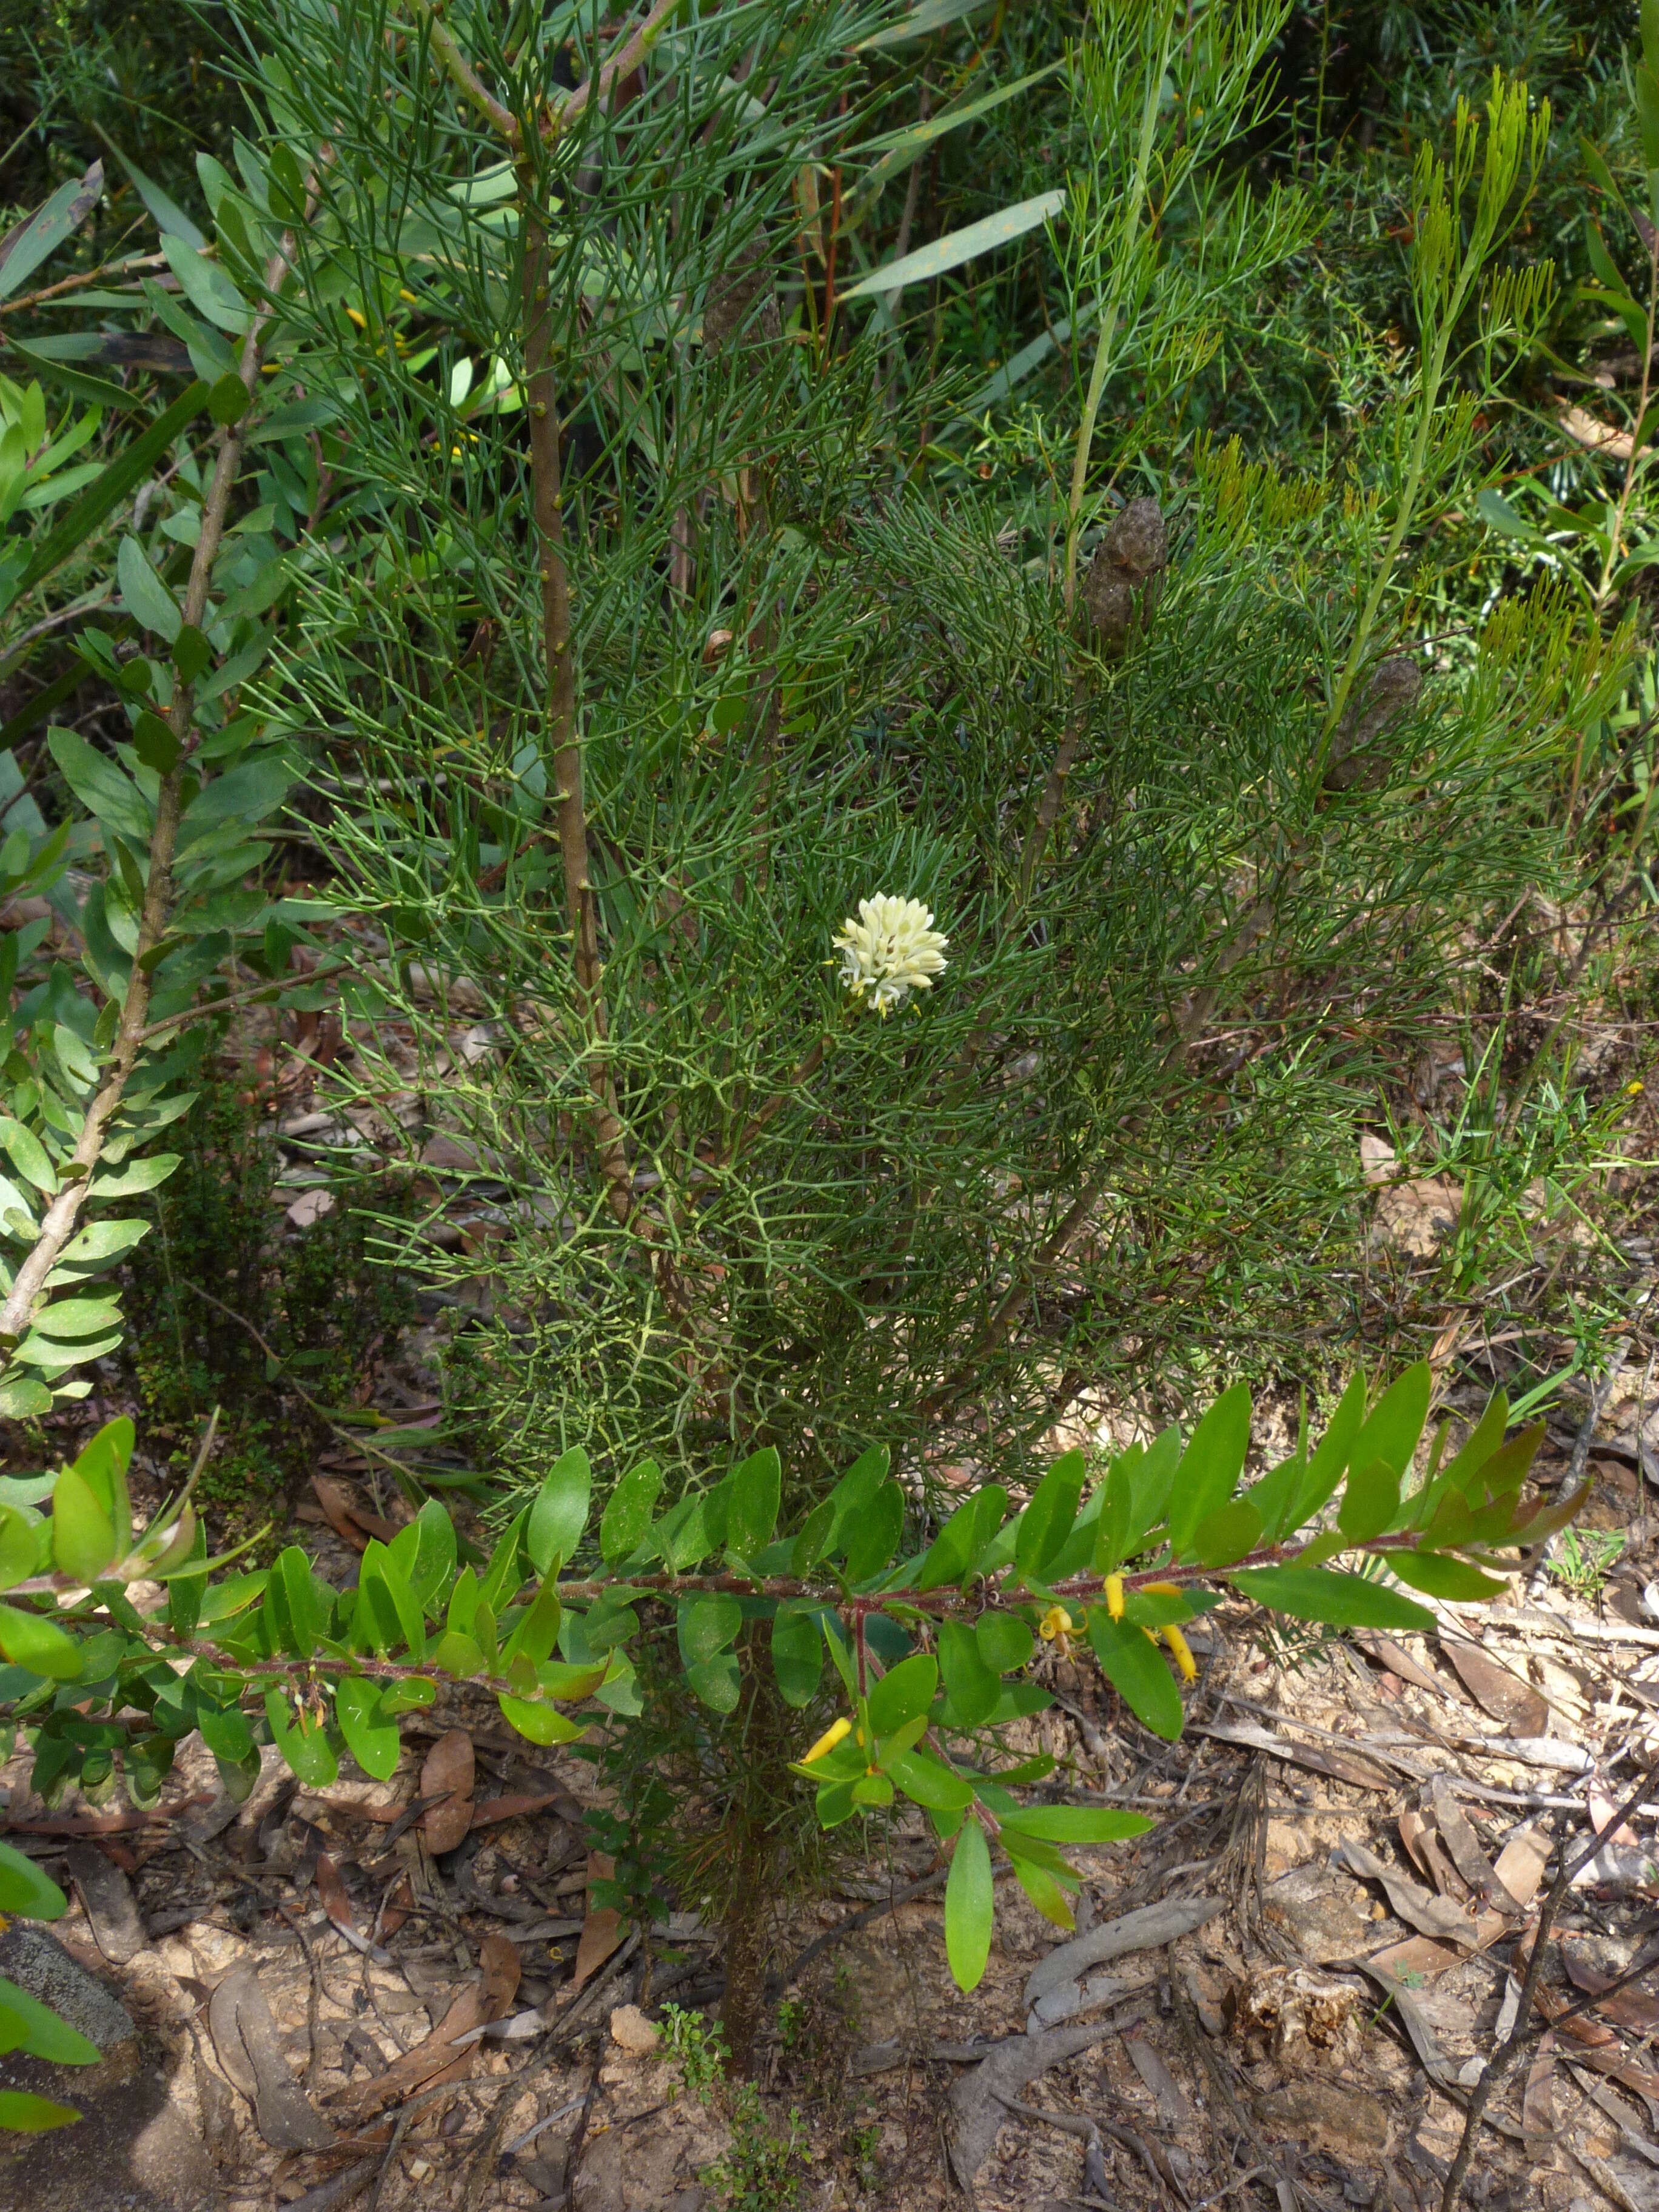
65	1211
564	735
1053	791
998	1329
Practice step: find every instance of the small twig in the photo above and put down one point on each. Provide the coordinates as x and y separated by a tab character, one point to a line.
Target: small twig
855	1921
85	277
601	1980
1133	2140
1095	2176
1504	2058
622	63
550	2119
1581	1451
397	2144
252	991
573	2150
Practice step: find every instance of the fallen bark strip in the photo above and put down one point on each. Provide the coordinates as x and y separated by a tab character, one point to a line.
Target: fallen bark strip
979	2100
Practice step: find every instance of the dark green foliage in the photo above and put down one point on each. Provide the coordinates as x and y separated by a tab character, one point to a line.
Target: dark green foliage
321	1306
146	74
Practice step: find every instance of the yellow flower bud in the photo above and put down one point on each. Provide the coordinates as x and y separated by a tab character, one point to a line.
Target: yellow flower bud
1114	1596
831	1736
1056	1622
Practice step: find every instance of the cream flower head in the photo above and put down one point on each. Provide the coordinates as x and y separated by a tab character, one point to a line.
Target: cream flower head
889	950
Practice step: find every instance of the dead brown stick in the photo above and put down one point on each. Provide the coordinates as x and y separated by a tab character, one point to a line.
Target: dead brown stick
854	1921
1095	2177
1508	2050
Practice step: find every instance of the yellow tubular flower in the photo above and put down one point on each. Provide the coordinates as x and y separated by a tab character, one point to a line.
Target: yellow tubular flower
831	1736
1114	1596
1184	1657
1162	1589
1056	1622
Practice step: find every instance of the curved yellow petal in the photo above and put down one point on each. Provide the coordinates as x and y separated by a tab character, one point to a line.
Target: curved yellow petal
1184	1656
831	1736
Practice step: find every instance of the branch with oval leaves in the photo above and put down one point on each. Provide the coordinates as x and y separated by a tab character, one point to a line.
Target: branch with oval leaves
929	1648
101	1061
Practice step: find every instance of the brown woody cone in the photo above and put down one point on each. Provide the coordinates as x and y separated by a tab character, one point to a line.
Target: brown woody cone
1125	581
1392	689
743	303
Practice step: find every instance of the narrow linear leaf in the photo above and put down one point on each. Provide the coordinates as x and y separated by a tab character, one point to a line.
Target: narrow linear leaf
959	246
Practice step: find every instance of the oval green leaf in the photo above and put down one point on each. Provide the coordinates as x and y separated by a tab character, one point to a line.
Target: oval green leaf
628	1511
371	1741
560	1513
903	1694
1005	1641
969	1903
1135	1668
26	1891
1332	1599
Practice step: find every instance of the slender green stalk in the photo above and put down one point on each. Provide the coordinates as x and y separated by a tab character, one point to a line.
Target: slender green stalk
1616	528
1116	267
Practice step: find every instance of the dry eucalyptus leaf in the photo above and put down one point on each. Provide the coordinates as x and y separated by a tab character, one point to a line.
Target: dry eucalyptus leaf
1419	1907
1538	2100
1173	2109
1419	1957
447	2053
601	1933
448	1774
352	1523
1630	2007
1423	1845
1505	1697
332	1891
1398	1661
498	1961
1463	1848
